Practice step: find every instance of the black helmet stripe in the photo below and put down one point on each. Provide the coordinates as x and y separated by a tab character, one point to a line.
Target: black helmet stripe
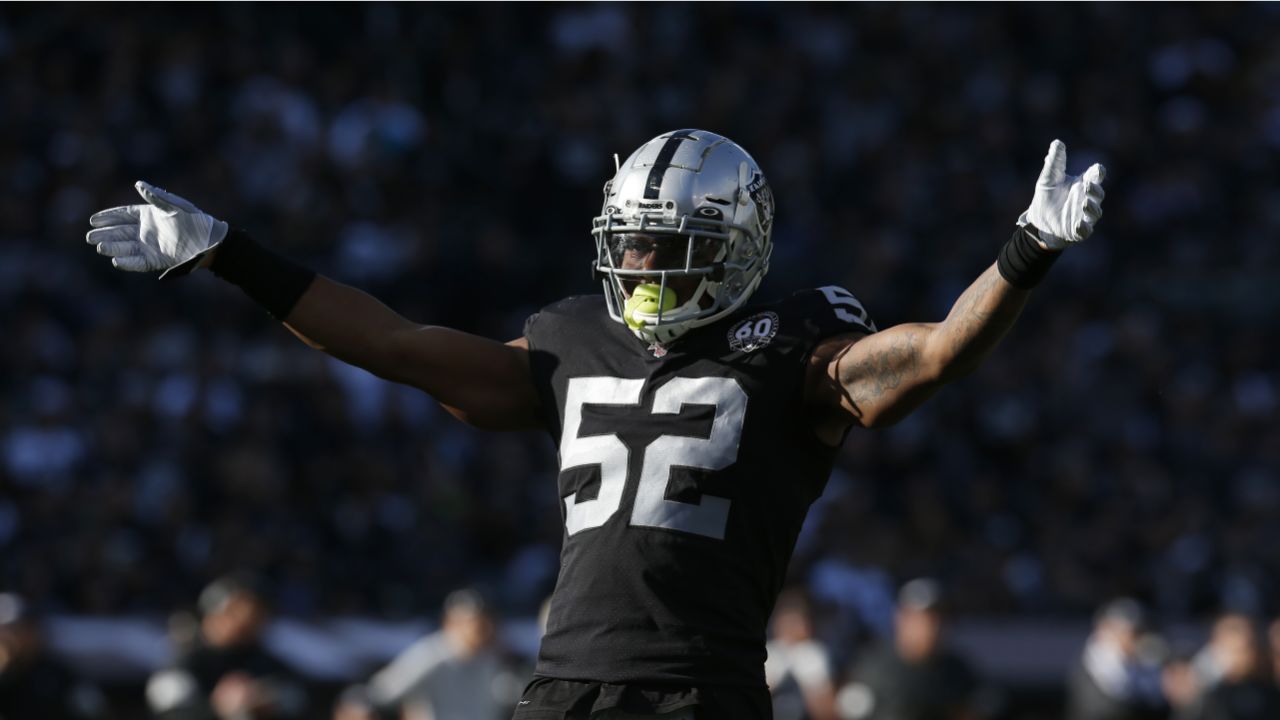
663	162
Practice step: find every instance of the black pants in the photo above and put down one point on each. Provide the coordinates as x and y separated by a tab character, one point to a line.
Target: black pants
555	699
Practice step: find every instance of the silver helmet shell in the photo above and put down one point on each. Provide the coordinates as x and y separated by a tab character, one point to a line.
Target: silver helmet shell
696	185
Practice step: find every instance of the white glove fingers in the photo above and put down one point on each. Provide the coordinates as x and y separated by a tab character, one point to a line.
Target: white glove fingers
1095	174
123	215
162	200
1095	191
1092	210
1083	230
116	232
132	263
1055	165
118	248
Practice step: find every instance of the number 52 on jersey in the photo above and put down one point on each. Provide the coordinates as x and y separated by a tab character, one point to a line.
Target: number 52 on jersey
652	508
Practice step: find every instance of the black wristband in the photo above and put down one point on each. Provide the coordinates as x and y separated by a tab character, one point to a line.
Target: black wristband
1022	261
273	281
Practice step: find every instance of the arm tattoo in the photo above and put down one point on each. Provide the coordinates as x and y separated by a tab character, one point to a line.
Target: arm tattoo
885	369
885	376
977	321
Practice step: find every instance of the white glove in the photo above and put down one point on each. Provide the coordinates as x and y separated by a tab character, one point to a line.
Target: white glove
1065	207
168	233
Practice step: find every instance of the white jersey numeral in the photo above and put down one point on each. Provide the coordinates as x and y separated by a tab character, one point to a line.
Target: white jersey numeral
841	299
652	508
716	452
607	451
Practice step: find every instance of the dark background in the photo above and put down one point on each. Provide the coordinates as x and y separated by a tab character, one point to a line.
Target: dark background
448	159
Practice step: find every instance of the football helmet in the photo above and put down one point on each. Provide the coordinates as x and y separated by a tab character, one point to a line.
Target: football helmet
698	208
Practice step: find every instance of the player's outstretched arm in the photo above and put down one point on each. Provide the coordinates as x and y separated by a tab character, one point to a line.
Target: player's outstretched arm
876	380
483	382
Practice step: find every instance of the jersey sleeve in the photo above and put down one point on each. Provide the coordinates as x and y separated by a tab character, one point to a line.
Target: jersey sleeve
807	318
539	333
827	311
554	334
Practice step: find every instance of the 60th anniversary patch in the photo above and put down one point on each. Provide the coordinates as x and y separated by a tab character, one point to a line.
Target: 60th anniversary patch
753	333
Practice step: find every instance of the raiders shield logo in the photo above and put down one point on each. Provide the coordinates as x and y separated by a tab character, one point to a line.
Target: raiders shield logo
753	333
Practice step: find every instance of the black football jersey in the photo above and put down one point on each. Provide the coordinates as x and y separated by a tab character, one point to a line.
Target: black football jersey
685	475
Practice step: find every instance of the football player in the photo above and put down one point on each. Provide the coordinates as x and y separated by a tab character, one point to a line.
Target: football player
694	428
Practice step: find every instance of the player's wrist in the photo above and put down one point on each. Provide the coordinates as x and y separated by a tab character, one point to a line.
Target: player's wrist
272	280
206	260
1025	259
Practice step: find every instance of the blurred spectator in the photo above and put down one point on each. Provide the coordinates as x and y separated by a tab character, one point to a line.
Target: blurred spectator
1113	680
916	678
456	673
1245	688
227	673
1273	647
1180	687
1234	679
1230	633
33	683
798	669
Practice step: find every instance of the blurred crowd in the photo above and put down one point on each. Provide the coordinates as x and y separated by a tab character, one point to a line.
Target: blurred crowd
223	668
155	435
1130	668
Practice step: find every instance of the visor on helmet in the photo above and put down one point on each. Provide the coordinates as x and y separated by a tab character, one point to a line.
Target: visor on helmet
642	251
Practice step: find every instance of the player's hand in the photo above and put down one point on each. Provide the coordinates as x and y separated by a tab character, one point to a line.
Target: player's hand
167	233
1065	207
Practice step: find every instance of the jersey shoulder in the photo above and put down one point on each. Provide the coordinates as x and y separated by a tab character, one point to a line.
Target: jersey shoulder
819	313
795	325
575	307
579	313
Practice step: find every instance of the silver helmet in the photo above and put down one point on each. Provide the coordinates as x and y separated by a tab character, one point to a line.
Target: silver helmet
704	199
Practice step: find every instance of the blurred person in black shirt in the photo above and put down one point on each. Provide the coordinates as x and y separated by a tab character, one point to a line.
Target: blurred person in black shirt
1189	682
34	683
1112	681
1273	647
916	678
227	674
1243	686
